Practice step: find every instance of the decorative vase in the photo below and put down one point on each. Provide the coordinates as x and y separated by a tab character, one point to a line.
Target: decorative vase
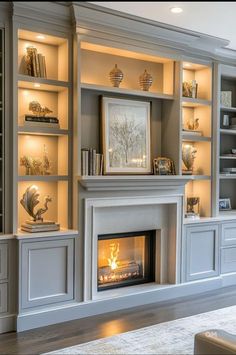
116	76
188	156
145	81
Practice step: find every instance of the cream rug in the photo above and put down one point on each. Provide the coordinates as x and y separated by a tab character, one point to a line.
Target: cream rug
175	337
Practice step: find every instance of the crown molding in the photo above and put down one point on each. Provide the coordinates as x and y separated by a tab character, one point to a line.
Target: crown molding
56	13
93	20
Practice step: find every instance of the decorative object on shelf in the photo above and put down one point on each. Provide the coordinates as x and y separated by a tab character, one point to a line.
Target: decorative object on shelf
91	162
224	204
188	156
193	207
29	201
229	171
226	98
126	136
35	63
225	121
39	118
163	166
190	89
192	124
145	81
116	76
37	166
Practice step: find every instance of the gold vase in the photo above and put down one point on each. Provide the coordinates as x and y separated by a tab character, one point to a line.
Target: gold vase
145	81
116	76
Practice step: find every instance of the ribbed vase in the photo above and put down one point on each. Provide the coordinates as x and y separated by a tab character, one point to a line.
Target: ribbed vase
116	76
145	81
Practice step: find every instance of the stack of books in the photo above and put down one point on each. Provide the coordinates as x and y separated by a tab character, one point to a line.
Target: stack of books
91	161
36	227
36	64
41	121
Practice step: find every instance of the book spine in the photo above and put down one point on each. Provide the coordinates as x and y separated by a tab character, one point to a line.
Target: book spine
90	161
44	67
99	161
94	162
41	70
41	119
34	72
37	65
84	161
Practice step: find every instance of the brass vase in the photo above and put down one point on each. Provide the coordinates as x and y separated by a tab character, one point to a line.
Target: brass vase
145	81
116	76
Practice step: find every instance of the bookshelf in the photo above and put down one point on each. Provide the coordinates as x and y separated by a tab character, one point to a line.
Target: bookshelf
196	118
2	130
44	149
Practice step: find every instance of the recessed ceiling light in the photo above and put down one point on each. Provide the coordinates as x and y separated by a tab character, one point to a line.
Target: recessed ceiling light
176	10
40	37
187	65
37	85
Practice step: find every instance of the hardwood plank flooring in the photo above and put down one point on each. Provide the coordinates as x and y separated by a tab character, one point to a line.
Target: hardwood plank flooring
71	333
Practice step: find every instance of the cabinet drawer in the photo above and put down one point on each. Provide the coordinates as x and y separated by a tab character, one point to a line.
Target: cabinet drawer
228	235
3	297
3	261
228	260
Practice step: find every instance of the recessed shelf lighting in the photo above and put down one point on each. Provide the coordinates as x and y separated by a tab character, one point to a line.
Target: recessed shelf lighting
40	37
187	65
36	85
176	10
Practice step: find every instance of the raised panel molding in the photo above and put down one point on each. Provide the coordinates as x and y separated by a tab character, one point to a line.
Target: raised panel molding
228	234
3	298
46	272
228	260
201	258
3	261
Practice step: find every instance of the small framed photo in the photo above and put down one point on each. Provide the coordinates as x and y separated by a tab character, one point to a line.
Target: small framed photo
224	204
163	166
226	98
126	136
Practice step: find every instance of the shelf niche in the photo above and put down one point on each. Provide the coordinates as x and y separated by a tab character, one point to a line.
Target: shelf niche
97	61
202	74
201	189
201	112
56	101
57	209
202	162
55	50
56	148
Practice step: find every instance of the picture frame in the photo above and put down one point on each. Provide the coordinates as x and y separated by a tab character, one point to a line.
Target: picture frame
224	204
126	136
163	166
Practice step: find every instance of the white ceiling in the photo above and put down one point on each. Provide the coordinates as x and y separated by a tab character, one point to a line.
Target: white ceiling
212	18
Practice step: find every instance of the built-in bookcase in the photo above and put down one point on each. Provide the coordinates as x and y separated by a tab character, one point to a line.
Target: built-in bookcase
54	91
2	130
227	140
199	108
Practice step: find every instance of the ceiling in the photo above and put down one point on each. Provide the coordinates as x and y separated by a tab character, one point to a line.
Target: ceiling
212	18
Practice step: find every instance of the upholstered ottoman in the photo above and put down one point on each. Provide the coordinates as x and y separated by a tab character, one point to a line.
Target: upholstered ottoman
215	341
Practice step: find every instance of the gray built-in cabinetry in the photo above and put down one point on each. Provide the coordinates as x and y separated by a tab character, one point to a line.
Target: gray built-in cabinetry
42	276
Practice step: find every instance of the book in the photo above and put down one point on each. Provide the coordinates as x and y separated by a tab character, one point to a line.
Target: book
41	124
48	119
49	228
99	164
85	161
39	223
44	67
91	162
94	162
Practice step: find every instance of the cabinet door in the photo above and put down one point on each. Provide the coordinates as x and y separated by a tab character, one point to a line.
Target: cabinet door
47	269
228	234
202	252
228	260
3	298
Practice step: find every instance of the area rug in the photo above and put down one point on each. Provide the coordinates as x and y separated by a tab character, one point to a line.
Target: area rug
174	337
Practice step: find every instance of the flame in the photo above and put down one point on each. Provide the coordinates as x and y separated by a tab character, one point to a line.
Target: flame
112	261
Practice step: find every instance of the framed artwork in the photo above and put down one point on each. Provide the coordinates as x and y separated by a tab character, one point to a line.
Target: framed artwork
224	204
126	136
163	166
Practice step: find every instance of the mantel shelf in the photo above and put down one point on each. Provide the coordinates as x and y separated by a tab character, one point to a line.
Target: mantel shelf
149	94
132	182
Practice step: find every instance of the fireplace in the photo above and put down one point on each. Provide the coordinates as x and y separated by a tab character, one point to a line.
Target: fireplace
125	259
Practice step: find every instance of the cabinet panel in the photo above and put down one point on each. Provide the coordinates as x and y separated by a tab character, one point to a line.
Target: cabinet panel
228	260
202	254
47	272
3	261
3	298
228	234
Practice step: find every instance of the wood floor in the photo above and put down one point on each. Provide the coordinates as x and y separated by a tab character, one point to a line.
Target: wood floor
80	331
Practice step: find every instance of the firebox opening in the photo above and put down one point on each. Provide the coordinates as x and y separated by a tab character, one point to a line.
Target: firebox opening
126	259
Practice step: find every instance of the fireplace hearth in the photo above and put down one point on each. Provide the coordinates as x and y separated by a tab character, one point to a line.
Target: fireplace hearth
125	259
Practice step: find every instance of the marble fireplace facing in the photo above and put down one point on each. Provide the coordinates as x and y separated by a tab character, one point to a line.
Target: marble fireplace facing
131	245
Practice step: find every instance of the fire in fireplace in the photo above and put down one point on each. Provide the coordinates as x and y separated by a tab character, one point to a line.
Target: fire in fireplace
126	259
